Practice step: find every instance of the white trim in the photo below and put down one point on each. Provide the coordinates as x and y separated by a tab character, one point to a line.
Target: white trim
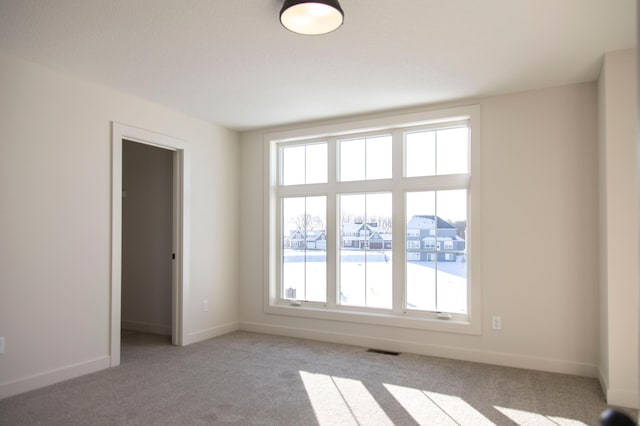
462	354
604	382
116	246
622	398
422	118
199	336
147	327
182	172
370	316
51	377
181	277
618	397
392	124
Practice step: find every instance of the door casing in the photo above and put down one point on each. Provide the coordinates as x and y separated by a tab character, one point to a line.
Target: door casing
180	278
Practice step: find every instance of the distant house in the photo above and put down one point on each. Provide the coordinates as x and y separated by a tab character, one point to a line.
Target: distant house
365	236
429	235
380	241
316	240
312	240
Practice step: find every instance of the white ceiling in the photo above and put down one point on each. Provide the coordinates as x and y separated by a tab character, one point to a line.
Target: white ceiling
230	61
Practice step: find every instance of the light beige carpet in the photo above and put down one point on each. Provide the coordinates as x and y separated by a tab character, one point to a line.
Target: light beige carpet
252	379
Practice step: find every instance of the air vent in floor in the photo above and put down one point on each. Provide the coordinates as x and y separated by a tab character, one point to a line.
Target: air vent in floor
379	351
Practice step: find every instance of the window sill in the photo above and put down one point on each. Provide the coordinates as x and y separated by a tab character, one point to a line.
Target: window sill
405	320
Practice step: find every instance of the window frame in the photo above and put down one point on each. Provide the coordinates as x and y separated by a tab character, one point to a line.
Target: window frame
396	125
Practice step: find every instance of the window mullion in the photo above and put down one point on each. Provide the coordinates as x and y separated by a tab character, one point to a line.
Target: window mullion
398	231
304	235
279	247
457	181
332	231
436	249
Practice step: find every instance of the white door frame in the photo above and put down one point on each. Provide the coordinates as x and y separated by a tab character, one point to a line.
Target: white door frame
181	172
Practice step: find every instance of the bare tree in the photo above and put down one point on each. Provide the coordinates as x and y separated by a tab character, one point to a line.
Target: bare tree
384	223
307	222
351	218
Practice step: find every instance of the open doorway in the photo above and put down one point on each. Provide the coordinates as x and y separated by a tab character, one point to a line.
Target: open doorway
149	229
147	241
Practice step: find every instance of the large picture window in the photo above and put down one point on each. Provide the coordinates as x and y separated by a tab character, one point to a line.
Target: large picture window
365	248
436	265
376	226
304	249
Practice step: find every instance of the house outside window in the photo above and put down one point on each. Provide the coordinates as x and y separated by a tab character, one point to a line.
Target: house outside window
376	223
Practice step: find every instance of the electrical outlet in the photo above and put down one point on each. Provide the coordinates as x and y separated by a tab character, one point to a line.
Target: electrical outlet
1	345
205	306
496	322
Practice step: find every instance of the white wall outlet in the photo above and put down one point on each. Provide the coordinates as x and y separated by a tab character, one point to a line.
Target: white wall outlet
205	306
1	345
496	322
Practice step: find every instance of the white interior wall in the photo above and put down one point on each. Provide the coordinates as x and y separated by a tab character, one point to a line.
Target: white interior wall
618	205
539	240
55	177
147	243
539	228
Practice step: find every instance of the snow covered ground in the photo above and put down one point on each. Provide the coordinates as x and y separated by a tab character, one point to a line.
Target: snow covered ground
365	279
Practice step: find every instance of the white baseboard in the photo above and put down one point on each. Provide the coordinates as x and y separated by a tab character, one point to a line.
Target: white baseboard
146	327
622	398
198	336
51	377
463	354
604	381
618	397
57	375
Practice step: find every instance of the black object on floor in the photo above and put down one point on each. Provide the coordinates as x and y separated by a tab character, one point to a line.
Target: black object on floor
613	417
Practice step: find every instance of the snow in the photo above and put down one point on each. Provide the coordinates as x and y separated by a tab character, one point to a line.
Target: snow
366	280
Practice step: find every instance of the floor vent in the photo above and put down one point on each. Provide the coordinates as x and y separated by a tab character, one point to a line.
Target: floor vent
379	351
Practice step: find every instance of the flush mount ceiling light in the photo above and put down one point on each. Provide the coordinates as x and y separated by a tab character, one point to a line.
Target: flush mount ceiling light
311	17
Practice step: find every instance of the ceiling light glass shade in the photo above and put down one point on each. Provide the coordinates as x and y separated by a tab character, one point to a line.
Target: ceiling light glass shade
311	17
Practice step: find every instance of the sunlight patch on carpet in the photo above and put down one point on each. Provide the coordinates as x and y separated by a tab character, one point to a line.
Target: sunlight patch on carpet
522	417
337	400
435	408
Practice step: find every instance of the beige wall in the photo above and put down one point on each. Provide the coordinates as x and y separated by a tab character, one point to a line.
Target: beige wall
539	231
55	216
618	208
147	243
539	240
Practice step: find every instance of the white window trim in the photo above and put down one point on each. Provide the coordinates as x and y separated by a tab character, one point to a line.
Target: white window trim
406	319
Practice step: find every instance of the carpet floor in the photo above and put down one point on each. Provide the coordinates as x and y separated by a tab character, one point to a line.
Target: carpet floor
246	378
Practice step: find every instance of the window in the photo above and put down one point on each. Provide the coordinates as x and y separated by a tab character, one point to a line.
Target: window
304	164
304	259
413	244
365	277
437	280
437	152
365	158
375	226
